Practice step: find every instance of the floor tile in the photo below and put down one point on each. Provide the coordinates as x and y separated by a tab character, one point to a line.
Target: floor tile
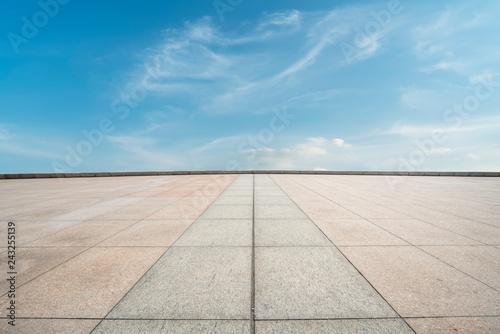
481	262
53	326
312	283
419	285
149	233
375	326
329	211
223	232
418	232
481	232
192	283
32	262
349	232
177	213
228	212
455	325
85	234
288	232
87	286
173	326
278	212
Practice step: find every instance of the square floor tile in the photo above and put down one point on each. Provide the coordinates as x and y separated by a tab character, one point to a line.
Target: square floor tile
193	283
312	283
87	286
419	285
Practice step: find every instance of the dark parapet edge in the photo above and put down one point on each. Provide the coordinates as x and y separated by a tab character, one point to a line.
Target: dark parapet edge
215	172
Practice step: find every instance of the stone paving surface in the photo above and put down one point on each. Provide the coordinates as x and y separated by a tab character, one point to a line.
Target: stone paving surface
253	254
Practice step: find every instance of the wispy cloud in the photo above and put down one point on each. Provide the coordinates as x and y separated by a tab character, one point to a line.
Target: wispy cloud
287	18
256	70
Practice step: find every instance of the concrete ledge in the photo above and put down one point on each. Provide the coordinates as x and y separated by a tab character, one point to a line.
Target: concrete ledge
219	172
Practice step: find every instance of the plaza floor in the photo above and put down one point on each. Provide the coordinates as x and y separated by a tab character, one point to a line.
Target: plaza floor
252	254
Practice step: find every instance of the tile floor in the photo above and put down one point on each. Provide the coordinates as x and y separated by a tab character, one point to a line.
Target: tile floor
253	254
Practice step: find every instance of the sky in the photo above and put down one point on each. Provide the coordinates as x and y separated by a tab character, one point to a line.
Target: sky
249	85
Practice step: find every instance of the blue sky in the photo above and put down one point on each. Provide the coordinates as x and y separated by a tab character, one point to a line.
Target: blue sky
204	85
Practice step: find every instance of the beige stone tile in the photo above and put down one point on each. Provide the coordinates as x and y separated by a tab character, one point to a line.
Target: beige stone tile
177	213
85	234
327	211
53	326
133	212
32	262
150	233
87	286
481	262
468	325
197	202
418	232
370	210
477	231
419	285
44	213
350	232
28	231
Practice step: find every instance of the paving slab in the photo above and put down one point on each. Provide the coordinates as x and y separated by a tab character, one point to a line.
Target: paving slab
357	326
278	211
228	200
173	326
455	325
53	326
481	232
370	210
288	232
418	285
272	200
312	283
327	210
33	262
480	262
352	232
228	212
173	212
223	232
87	233
149	233
417	232
87	286
34	230
192	283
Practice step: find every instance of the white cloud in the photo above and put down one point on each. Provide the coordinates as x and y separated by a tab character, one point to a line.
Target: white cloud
340	143
287	18
251	70
473	156
439	41
130	140
485	76
445	65
472	125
